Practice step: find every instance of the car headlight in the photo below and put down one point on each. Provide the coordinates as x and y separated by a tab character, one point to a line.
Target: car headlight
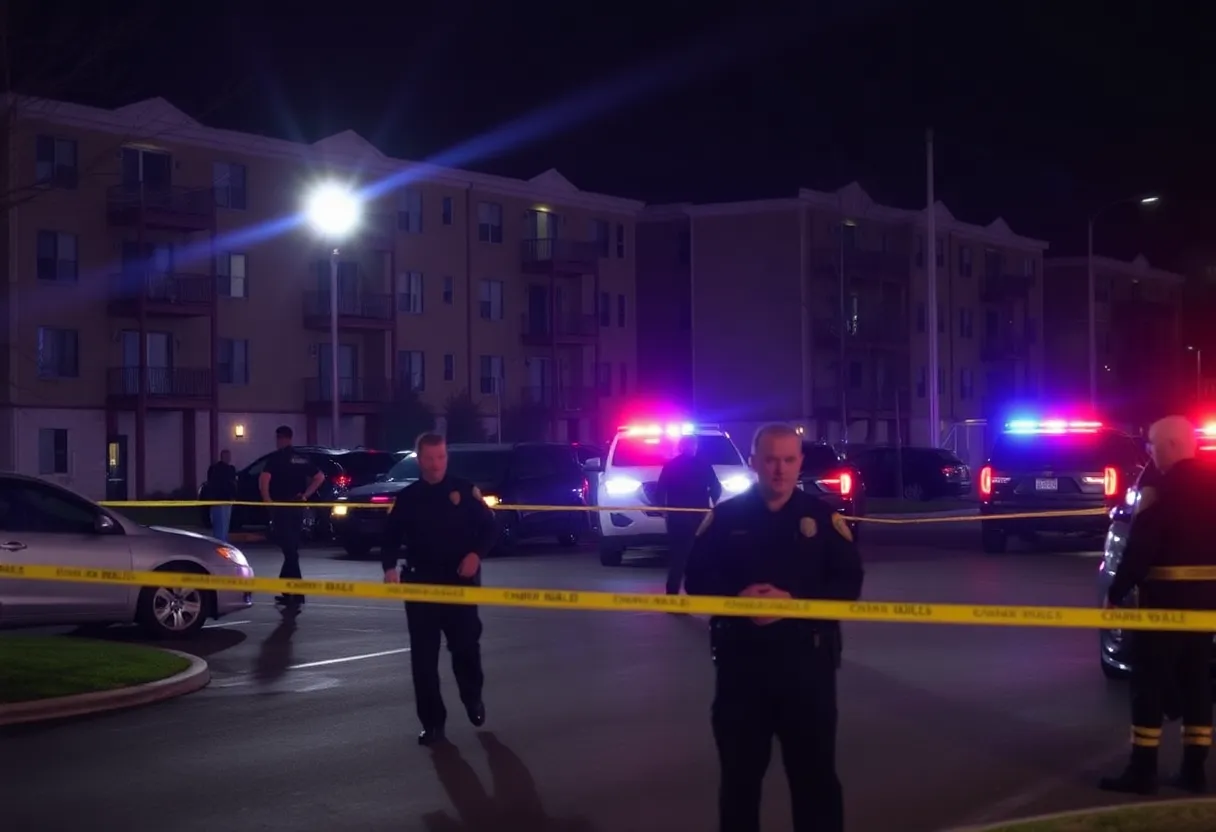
232	555
338	511
490	500
621	486
736	484
1132	495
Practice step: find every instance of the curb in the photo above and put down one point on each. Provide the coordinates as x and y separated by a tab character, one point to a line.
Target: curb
1078	813
193	678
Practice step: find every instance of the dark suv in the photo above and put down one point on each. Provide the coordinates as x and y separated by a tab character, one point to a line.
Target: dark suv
343	469
529	473
832	479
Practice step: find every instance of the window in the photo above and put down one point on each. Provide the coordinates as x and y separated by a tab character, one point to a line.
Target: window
411	366
965	384
409	301
490	306
920	317
603	378
57	260
449	367
624	379
634	452
966	323
474	465
58	353
448	290
447	210
964	261
600	236
409	211
992	323
856	374
52	451
605	309
228	181
230	268
1030	268
994	263
620	310
920	383
43	508
490	375
620	241
56	163
489	222
233	363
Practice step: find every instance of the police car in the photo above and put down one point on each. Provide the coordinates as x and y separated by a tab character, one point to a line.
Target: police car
630	475
1040	465
1112	648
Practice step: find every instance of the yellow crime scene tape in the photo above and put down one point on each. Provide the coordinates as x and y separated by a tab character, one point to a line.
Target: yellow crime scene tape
562	599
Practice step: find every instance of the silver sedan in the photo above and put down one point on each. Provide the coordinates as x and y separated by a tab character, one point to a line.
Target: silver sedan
42	524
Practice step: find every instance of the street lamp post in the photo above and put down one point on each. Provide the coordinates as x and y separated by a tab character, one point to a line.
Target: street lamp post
334	212
1092	304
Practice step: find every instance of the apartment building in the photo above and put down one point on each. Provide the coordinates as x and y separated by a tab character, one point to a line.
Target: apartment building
813	309
1143	366
165	302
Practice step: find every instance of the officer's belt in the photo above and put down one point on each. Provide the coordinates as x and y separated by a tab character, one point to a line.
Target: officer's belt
1182	573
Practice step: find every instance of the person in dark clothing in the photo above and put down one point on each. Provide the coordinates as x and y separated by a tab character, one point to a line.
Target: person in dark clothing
447	530
1170	560
776	677
221	486
289	477
687	481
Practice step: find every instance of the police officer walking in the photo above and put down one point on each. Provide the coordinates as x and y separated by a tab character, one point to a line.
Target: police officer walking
289	477
447	530
776	677
687	481
1169	558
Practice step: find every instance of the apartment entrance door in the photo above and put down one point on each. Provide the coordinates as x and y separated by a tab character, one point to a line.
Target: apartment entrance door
116	467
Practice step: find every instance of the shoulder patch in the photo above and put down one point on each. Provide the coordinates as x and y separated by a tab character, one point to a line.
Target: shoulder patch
841	526
705	524
455	498
808	527
476	493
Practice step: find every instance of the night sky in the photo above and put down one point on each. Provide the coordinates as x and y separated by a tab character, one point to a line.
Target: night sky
1043	110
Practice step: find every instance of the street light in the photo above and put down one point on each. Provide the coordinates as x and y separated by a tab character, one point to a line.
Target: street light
1198	373
1093	310
334	211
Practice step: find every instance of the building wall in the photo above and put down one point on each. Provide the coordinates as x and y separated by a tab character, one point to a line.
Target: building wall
665	311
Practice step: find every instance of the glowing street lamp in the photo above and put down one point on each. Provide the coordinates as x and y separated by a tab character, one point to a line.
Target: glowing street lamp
334	212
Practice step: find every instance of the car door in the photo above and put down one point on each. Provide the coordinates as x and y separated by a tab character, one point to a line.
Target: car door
44	525
533	472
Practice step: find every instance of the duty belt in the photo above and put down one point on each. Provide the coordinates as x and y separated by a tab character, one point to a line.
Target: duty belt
1182	573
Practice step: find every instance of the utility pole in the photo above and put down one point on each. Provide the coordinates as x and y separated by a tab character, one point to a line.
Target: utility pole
931	297
843	375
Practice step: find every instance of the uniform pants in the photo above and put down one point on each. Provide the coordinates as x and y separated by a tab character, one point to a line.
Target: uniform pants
461	626
288	525
681	532
1168	667
789	694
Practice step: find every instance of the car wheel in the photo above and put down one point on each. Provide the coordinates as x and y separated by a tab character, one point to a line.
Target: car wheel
567	540
994	541
357	548
611	554
172	612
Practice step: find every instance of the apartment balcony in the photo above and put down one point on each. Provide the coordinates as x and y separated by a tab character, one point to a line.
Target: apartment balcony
161	207
356	396
860	401
880	332
1004	287
858	263
163	388
357	311
161	295
578	330
561	399
1004	348
559	256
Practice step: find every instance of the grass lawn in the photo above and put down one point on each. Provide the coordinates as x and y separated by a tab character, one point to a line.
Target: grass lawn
1189	817
178	517
43	667
895	505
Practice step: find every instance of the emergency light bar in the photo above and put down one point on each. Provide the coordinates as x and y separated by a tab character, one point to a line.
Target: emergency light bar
1051	426
673	430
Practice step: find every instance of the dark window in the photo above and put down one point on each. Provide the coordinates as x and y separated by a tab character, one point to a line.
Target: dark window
630	452
605	309
56	163
816	458
620	241
58	260
449	366
228	183
233	363
489	466
36	507
620	310
1089	452
58	353
447	210
52	451
489	222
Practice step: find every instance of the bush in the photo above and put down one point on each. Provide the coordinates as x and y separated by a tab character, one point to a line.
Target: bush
464	419
405	418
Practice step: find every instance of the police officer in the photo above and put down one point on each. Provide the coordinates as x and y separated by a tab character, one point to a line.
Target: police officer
687	481
289	477
447	530
1169	558
776	677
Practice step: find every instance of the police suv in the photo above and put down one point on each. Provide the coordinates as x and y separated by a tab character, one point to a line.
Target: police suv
1112	647
1055	465
630	476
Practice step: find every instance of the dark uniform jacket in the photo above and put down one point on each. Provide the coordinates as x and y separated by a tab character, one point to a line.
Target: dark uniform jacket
439	524
1171	534
688	481
803	548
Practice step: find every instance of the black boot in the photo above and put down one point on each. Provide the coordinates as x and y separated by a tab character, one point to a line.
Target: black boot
1140	776
477	714
430	737
1193	776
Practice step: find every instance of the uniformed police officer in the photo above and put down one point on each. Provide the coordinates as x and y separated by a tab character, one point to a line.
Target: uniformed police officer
447	530
1169	558
288	477
687	481
776	677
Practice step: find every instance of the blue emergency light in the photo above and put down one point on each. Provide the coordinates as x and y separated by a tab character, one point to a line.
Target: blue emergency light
1051	426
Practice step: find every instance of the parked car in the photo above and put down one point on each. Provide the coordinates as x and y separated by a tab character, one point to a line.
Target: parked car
46	525
528	473
343	469
833	479
927	473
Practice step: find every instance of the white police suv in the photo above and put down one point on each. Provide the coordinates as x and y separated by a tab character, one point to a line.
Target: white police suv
630	477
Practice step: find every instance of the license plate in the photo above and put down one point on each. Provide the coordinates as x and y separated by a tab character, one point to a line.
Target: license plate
1046	485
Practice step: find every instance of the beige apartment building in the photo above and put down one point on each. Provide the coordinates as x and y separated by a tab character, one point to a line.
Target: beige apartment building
741	316
165	302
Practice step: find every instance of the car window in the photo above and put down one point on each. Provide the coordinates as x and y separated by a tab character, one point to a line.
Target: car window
35	507
1070	451
535	463
257	466
479	466
817	457
365	465
657	451
587	452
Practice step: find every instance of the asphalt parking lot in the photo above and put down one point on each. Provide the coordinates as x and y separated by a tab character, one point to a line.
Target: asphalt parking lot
597	721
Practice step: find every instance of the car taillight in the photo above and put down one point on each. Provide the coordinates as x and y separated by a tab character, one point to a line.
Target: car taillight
986	481
841	483
1110	481
586	489
342	480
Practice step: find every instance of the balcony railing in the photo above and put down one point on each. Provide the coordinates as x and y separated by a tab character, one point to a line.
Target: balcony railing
185	289
375	306
162	382
161	204
541	328
350	390
565	399
876	330
583	255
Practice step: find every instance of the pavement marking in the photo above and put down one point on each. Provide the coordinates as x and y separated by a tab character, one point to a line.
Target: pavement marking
224	624
344	659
